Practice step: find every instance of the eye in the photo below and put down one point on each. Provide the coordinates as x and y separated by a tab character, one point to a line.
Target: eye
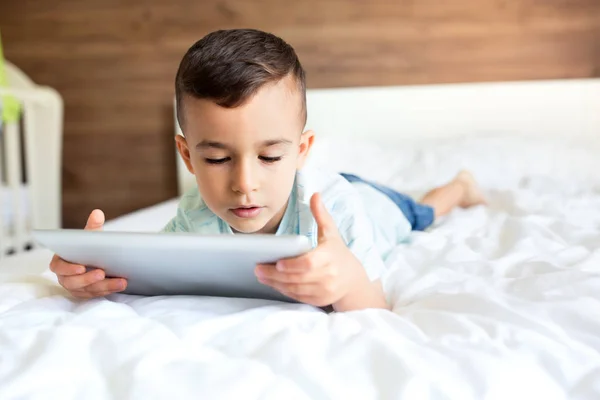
216	160
269	160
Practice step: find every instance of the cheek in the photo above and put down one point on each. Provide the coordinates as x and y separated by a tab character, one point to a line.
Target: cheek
209	179
283	181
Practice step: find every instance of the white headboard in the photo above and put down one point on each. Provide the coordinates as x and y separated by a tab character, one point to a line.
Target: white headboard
394	113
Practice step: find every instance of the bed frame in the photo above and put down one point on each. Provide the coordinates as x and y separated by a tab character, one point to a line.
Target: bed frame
41	127
395	113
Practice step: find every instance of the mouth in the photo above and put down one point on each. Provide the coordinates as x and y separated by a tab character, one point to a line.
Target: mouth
248	211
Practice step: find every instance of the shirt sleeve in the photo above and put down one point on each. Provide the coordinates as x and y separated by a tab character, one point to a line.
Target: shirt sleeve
356	229
171	226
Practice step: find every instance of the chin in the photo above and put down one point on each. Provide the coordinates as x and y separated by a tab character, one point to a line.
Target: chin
247	226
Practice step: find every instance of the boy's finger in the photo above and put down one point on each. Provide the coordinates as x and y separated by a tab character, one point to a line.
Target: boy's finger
294	290
307	293
77	282
61	267
80	294
95	221
269	272
313	260
325	223
107	286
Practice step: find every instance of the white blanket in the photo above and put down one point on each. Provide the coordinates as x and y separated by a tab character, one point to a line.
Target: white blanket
498	302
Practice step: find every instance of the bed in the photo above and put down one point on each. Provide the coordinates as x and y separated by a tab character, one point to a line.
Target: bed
496	302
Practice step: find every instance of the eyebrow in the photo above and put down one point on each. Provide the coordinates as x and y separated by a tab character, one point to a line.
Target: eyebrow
218	145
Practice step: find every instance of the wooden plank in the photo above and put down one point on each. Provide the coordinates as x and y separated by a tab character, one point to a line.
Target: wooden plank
114	63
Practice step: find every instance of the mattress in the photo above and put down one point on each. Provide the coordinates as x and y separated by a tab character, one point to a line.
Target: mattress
496	302
150	219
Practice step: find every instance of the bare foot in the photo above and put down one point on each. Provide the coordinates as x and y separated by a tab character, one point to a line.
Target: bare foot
473	194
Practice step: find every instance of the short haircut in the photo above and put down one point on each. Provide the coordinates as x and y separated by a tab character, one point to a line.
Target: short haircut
228	67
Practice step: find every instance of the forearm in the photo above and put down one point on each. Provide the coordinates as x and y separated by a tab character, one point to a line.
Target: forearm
367	295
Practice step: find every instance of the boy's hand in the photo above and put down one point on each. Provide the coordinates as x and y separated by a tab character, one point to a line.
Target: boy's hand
84	284
328	275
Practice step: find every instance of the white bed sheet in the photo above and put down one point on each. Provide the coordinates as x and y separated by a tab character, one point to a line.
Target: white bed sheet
500	302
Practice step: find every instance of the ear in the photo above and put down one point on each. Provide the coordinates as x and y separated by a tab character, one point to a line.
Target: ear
184	152
306	142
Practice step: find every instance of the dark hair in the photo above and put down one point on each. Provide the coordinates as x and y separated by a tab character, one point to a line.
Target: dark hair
230	66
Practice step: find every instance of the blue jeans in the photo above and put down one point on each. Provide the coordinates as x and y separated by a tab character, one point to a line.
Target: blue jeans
420	216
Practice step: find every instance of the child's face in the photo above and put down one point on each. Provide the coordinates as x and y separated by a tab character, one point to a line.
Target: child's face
245	158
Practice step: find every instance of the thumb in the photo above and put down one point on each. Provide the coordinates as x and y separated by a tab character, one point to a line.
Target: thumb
95	221
325	223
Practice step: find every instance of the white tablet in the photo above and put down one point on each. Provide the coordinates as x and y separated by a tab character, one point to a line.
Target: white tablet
177	263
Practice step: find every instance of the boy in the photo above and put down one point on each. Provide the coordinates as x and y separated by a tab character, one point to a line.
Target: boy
241	99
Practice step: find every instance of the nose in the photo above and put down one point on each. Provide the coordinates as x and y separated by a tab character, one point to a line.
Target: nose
245	179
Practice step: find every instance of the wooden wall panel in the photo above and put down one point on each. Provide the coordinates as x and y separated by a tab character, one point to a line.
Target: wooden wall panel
114	62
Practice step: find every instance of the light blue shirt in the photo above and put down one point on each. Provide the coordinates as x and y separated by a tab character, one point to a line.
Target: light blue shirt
370	231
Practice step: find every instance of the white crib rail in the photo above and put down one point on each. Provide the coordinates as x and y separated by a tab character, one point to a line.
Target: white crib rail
15	233
42	124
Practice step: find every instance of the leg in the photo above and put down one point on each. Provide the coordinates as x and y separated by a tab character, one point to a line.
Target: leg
462	191
420	216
